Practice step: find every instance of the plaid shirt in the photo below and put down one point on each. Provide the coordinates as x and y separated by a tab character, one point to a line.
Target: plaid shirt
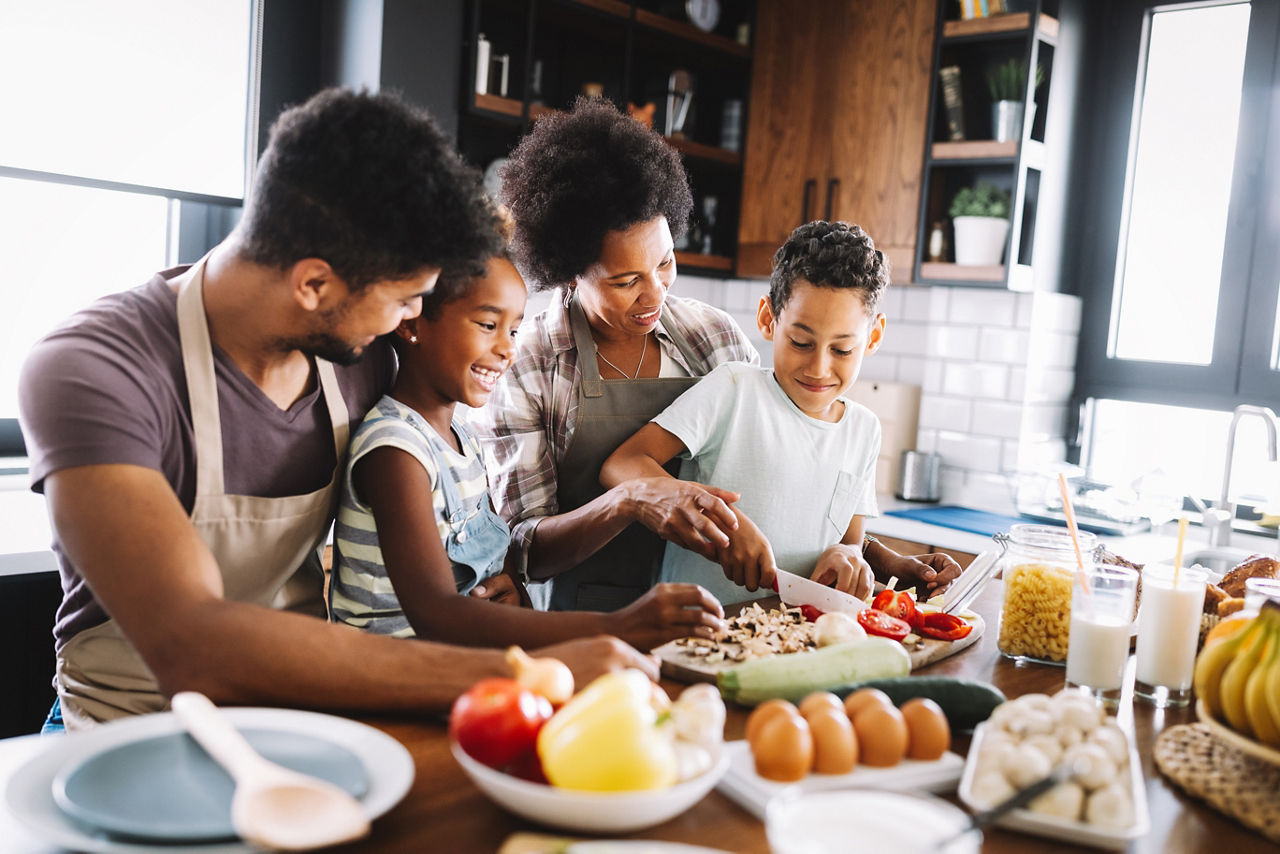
528	424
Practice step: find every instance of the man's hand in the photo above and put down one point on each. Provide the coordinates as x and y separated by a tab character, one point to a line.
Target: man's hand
843	567
592	657
500	588
748	559
669	611
691	515
930	574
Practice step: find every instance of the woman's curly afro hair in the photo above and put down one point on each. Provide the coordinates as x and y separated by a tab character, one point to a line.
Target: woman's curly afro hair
369	184
579	175
829	255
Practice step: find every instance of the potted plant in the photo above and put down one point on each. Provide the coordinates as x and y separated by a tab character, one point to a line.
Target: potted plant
1007	84
980	215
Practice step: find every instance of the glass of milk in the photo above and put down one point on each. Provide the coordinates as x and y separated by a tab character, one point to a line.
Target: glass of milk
1101	626
1168	631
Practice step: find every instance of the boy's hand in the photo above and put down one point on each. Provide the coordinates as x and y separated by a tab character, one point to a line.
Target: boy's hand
500	588
930	574
666	612
748	559
843	567
691	515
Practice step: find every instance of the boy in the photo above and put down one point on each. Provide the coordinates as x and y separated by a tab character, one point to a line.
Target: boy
801	455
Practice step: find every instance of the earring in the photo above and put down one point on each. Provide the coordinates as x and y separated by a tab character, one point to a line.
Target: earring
568	295
413	339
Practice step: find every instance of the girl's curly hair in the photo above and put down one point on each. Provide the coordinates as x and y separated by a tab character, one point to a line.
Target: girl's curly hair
829	255
579	175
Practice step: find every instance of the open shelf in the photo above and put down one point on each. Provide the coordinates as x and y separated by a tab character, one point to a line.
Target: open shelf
1019	276
689	32
610	7
706	262
498	104
689	148
1009	23
975	149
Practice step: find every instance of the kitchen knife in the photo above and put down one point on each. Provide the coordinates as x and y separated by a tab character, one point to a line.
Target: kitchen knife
798	590
970	583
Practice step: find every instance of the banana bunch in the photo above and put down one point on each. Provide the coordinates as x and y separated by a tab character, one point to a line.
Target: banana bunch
1238	677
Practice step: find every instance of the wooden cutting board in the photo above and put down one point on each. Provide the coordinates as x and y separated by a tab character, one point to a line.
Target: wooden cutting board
679	665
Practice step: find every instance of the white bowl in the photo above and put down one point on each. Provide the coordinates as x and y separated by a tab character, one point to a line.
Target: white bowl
588	812
867	820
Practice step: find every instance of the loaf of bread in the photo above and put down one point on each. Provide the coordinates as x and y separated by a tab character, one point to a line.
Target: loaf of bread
1257	566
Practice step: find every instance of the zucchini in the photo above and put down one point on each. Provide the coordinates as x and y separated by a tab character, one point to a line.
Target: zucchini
795	676
965	702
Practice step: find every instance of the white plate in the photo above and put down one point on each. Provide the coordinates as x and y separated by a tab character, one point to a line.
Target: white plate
588	812
1077	832
29	794
1244	744
752	792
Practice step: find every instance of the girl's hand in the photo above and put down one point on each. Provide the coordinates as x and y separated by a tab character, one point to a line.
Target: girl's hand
500	588
843	567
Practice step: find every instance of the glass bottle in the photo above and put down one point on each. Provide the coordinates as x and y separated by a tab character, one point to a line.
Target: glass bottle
1037	566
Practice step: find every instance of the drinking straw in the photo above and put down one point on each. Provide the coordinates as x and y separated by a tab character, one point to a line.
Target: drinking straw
1075	537
1177	560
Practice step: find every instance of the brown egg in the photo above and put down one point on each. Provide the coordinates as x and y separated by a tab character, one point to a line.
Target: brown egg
882	735
858	699
835	748
929	734
766	712
820	700
783	749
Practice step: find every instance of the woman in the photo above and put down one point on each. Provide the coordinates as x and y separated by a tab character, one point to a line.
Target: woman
596	198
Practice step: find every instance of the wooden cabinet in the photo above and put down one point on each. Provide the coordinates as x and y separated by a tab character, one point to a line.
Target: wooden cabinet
555	50
1031	165
839	107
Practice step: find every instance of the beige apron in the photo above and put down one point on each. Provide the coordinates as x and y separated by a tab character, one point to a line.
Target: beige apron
266	548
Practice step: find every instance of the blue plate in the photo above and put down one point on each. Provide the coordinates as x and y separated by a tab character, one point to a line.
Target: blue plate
167	788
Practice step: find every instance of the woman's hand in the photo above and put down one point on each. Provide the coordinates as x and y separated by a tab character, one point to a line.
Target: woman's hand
930	574
500	588
748	559
691	515
666	612
843	567
592	657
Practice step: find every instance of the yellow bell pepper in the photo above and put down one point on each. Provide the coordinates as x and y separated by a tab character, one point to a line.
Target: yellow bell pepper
607	739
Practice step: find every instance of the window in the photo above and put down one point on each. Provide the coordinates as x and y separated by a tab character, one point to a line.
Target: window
1179	264
122	120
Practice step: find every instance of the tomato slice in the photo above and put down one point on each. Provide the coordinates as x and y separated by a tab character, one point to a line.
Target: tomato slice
946	627
897	603
882	624
810	613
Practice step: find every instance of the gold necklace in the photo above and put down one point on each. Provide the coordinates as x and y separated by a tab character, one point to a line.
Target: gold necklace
644	349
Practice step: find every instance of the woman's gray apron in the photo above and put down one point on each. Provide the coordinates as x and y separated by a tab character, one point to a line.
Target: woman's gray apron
608	414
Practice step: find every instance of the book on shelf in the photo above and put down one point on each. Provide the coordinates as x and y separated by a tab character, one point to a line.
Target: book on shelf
953	100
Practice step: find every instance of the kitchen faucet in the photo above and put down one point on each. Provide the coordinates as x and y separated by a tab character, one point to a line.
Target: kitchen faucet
1218	519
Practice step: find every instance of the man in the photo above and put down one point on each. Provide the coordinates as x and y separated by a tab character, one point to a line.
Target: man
187	434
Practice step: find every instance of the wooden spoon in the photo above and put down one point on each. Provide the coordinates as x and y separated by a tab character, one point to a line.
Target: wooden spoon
273	807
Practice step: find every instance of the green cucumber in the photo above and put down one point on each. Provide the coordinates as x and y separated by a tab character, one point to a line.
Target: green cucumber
965	702
795	676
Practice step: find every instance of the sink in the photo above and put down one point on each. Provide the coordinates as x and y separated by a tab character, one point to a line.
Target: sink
1217	559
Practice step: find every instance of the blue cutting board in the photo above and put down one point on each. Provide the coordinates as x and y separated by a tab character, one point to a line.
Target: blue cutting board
960	518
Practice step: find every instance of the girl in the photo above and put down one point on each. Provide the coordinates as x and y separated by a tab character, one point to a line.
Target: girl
416	526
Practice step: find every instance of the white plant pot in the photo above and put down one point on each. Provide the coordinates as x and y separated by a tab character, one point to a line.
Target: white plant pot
980	240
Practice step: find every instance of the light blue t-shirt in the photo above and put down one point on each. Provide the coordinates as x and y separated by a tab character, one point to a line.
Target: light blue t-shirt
802	480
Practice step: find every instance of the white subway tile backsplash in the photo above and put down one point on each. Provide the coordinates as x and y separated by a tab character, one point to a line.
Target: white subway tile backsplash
932	377
982	307
1025	311
1041	422
1009	455
1049	385
700	288
881	367
911	370
997	418
975	380
924	305
891	303
973	453
1017	384
1037	456
951	483
953	342
1004	345
1053	312
927	440
1052	350
946	413
905	339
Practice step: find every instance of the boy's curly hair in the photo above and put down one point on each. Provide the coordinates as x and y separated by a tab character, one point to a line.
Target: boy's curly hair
577	176
829	255
369	184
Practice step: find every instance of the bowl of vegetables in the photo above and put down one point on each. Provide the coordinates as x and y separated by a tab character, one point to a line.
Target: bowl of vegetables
615	757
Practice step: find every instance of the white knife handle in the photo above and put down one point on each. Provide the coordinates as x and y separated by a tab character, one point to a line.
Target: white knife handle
211	729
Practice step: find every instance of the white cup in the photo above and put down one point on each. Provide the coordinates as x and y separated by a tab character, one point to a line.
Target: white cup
1101	627
1168	633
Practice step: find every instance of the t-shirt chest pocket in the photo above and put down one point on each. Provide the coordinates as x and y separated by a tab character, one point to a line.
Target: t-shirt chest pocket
843	499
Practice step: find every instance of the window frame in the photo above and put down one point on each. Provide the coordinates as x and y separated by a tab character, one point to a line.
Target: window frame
1251	263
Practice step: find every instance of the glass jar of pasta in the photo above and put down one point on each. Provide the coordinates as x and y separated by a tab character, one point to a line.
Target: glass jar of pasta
1037	567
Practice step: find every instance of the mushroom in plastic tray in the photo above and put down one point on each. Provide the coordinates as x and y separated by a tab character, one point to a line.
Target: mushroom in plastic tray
1104	803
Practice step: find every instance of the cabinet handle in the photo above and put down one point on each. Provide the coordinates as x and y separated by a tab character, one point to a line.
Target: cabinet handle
833	186
810	187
